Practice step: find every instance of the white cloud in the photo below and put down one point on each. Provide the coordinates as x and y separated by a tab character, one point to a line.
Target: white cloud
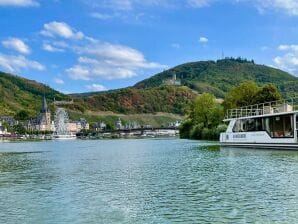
289	60
12	63
19	3
101	60
61	29
112	4
59	81
78	72
101	16
50	48
96	87
128	5
286	47
17	45
203	40
198	3
288	6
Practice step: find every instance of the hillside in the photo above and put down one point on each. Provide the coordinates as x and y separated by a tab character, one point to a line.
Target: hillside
168	99
18	93
149	96
218	76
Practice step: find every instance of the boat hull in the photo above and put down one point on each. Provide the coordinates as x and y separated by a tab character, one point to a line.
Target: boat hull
280	146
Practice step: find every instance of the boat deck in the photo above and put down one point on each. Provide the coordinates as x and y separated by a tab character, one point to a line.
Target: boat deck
268	108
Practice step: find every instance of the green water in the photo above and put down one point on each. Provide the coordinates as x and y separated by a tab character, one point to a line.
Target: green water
145	181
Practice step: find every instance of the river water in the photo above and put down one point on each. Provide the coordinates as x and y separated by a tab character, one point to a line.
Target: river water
145	181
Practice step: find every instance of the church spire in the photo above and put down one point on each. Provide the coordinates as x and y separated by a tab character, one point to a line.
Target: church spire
44	108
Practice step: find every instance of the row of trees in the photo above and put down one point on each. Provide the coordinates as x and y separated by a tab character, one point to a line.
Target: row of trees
205	114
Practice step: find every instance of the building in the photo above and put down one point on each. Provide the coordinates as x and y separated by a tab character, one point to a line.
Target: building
74	127
100	126
118	124
173	81
3	130
10	121
43	121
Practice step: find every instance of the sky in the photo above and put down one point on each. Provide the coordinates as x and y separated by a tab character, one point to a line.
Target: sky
94	45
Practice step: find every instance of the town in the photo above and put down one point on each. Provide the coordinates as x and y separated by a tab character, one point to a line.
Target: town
48	126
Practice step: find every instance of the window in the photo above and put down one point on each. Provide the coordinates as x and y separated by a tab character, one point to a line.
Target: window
280	126
275	126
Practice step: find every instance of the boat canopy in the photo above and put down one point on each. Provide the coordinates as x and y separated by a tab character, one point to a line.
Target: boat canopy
267	108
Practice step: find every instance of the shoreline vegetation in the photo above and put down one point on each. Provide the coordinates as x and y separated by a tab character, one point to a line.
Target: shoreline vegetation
204	119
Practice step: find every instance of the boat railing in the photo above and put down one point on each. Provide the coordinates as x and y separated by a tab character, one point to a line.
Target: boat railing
279	106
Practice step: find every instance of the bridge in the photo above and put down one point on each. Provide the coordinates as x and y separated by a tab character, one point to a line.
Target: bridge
139	131
128	130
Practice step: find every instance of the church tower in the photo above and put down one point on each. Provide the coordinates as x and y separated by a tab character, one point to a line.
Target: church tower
45	113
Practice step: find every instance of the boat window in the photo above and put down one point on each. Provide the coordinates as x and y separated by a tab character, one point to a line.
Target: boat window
259	124
250	125
247	125
279	126
238	126
275	126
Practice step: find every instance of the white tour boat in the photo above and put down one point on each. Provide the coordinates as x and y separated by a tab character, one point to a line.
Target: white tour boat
267	125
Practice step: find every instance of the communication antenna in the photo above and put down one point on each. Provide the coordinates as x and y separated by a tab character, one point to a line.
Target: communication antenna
222	54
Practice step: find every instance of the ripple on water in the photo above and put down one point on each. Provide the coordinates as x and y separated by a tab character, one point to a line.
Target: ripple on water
146	181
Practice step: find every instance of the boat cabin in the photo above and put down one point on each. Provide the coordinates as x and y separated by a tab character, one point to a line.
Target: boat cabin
272	124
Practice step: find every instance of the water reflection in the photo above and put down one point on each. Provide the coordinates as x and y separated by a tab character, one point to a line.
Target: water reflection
208	147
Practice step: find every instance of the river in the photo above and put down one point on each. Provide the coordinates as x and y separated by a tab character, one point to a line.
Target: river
145	181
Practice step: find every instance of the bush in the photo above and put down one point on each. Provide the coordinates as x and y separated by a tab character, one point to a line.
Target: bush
196	131
185	128
220	128
209	134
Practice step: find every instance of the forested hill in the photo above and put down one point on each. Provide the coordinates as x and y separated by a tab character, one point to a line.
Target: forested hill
170	99
152	95
18	93
217	77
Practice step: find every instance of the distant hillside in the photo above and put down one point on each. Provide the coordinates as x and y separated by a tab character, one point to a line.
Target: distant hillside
168	99
18	93
217	77
152	95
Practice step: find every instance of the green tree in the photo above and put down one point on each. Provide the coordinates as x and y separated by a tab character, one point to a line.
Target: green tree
203	119
19	129
206	110
268	93
249	93
241	95
22	115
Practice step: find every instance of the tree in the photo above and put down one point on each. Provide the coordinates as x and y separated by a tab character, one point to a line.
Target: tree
249	93
204	117
268	93
241	95
206	110
19	129
22	115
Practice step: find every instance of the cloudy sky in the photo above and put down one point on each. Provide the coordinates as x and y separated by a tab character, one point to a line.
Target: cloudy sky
94	45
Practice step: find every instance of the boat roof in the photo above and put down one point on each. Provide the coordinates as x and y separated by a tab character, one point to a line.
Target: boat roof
274	108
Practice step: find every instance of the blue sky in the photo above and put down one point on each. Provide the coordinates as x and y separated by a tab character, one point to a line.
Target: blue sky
89	45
